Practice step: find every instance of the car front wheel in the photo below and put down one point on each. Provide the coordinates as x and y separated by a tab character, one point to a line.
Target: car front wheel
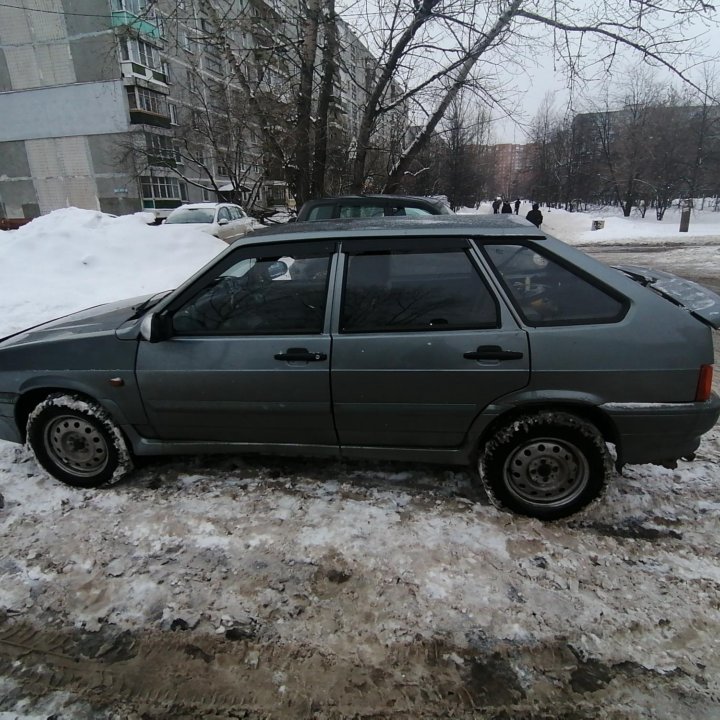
546	465
77	442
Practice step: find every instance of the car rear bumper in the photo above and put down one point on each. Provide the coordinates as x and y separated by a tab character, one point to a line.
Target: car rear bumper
8	428
660	432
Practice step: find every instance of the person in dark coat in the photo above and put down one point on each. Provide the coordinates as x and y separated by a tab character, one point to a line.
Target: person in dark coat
535	216
506	207
517	206
496	205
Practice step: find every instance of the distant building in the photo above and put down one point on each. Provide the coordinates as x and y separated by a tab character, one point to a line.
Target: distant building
509	169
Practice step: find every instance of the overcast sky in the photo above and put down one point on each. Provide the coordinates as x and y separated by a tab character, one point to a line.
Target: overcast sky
550	77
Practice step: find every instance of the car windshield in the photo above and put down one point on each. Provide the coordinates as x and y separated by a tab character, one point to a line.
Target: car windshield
191	215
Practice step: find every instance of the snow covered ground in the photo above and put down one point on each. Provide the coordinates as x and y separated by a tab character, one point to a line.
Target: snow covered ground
265	588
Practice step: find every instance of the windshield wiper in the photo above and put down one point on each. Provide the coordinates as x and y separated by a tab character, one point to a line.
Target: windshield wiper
152	300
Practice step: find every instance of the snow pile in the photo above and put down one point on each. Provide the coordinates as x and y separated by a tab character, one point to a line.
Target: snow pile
72	259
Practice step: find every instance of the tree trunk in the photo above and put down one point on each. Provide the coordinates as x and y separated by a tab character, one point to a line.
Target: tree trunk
329	68
303	132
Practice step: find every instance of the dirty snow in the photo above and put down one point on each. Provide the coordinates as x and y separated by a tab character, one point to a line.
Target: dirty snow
258	587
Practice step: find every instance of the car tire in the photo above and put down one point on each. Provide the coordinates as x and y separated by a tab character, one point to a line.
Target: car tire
546	465
77	442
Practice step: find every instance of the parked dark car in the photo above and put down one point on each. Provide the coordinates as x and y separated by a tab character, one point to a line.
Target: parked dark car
371	206
466	340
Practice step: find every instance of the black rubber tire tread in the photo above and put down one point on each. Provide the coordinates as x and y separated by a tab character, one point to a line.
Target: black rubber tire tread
58	404
561	425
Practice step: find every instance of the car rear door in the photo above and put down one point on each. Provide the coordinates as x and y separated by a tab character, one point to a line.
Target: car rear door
421	343
241	223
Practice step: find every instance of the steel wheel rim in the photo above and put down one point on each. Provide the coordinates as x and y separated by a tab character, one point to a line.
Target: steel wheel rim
547	472
76	445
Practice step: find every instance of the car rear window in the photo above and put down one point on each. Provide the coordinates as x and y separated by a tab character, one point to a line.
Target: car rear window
546	292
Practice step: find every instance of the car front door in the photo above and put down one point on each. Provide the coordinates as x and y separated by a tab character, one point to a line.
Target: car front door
248	360
422	344
225	226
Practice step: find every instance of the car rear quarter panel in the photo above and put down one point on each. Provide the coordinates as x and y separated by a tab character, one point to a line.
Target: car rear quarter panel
653	354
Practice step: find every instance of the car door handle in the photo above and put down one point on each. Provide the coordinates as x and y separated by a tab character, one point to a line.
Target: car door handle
300	355
492	352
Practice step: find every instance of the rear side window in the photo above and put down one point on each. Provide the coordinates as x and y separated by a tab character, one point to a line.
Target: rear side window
361	211
321	212
403	210
548	293
415	291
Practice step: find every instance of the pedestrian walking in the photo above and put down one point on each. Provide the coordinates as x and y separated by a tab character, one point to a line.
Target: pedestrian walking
517	206
496	206
506	207
535	216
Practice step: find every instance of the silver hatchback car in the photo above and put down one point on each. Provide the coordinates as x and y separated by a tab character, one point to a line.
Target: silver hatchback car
466	340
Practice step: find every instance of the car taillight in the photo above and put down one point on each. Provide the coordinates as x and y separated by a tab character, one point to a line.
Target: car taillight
704	386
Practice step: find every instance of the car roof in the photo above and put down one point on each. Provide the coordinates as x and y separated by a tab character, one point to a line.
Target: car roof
511	226
396	198
200	205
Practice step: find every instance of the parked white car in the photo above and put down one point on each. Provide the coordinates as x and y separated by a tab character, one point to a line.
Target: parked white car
223	220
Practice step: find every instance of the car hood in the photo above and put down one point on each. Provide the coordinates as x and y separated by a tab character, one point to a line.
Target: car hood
704	304
205	227
100	318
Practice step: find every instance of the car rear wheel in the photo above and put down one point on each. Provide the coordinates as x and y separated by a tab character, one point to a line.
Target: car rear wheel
546	465
77	442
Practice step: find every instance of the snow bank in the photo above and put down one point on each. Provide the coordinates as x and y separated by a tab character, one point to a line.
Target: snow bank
72	259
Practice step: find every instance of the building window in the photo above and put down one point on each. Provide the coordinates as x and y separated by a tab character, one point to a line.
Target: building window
172	111
140	52
161	149
212	60
162	188
136	7
141	98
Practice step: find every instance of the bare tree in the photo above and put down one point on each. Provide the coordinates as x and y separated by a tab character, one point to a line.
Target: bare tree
465	131
423	55
468	41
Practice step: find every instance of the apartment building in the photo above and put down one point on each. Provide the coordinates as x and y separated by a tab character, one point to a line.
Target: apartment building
120	105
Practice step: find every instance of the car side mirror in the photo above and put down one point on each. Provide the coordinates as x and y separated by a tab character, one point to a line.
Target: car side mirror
155	328
223	221
277	269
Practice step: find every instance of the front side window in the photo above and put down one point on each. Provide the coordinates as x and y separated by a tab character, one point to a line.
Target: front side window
262	295
546	292
415	291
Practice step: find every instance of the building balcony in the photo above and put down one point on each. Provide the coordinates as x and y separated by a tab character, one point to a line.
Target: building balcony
140	24
135	70
145	117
